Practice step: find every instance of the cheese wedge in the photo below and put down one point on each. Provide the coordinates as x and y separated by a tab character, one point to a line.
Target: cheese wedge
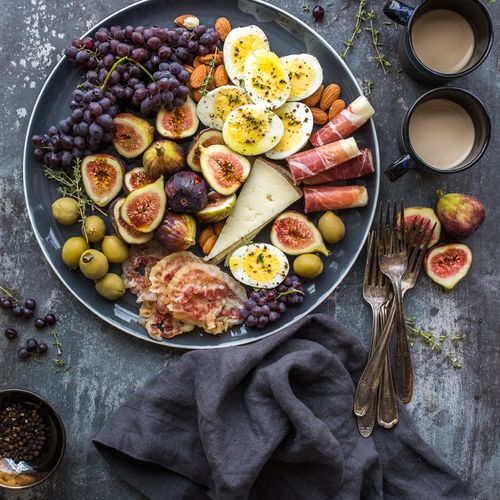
266	193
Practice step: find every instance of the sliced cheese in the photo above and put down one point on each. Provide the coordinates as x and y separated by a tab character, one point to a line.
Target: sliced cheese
266	193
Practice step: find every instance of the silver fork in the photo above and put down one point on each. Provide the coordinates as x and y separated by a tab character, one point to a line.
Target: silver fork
376	293
393	261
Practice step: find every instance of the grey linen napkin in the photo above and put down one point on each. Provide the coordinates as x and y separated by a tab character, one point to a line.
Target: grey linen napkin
269	420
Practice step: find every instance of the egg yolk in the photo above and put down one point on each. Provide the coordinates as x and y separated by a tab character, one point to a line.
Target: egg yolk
268	80
226	101
243	47
292	134
261	266
301	76
249	126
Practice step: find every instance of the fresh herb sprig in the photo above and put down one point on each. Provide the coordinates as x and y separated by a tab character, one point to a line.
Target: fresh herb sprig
59	362
211	68
368	87
306	8
380	58
360	18
434	341
70	185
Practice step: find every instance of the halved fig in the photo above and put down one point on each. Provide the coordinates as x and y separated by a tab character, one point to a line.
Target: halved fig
205	138
163	158
422	215
223	169
446	265
125	231
294	234
131	134
102	177
218	207
136	178
144	208
179	123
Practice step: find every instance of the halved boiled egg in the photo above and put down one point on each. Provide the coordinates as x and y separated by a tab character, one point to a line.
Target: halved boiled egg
239	44
259	265
266	79
214	107
298	124
252	130
305	73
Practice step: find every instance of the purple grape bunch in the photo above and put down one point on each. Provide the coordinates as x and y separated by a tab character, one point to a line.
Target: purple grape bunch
140	68
264	306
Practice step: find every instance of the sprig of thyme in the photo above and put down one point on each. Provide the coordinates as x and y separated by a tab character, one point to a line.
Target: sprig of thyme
368	87
211	68
11	294
71	186
306	8
360	18
380	58
434	341
58	361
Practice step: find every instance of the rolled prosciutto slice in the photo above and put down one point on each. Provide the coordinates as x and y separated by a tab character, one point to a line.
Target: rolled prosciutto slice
314	161
352	169
345	123
334	197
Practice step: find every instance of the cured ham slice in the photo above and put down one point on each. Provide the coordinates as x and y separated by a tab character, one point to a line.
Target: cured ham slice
345	123
334	197
201	294
135	270
163	272
315	161
352	169
161	326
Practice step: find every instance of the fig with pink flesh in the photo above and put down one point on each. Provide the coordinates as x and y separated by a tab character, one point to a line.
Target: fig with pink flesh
163	158
218	208
223	169
187	192
125	231
205	138
176	232
460	214
179	123
135	179
131	134
446	265
419	217
294	234
144	207
102	177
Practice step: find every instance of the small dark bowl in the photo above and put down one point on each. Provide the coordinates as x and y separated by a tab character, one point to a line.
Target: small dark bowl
44	466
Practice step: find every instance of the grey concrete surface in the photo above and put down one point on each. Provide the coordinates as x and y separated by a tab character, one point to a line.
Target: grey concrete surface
457	412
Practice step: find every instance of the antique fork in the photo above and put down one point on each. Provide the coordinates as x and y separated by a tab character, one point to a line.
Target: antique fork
376	293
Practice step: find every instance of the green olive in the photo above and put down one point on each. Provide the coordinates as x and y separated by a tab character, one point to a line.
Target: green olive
72	251
115	249
308	265
65	211
95	228
110	286
331	227
93	264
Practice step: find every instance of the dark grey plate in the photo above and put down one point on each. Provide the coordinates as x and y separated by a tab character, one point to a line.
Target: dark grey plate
287	35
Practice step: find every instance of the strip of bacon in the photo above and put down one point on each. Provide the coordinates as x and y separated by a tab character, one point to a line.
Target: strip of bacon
314	161
345	123
352	169
334	197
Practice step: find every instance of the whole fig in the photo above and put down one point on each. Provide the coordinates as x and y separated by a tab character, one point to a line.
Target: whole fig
187	192
460	214
163	158
176	232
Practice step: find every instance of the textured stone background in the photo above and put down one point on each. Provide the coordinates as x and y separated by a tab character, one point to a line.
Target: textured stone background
457	412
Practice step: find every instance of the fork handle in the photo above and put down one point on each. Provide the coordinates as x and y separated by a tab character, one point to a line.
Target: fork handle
403	369
370	378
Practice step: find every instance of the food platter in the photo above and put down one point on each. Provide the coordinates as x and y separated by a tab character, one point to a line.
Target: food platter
286	35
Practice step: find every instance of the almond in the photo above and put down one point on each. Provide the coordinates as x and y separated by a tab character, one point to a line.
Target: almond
206	248
218	226
188	21
330	94
219	58
198	76
196	62
336	108
220	76
207	232
188	68
319	116
223	26
313	99
196	95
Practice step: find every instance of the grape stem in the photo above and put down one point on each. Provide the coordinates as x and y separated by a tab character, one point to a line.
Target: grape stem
6	292
291	290
117	63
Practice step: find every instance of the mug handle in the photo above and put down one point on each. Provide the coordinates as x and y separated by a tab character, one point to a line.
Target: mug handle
400	167
398	12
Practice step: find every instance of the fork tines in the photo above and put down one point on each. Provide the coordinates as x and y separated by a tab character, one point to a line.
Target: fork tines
391	236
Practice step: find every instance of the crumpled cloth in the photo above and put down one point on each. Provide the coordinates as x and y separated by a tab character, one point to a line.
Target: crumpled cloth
269	420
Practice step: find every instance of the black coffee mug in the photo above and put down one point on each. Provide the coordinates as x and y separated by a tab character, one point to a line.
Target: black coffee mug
478	115
473	11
